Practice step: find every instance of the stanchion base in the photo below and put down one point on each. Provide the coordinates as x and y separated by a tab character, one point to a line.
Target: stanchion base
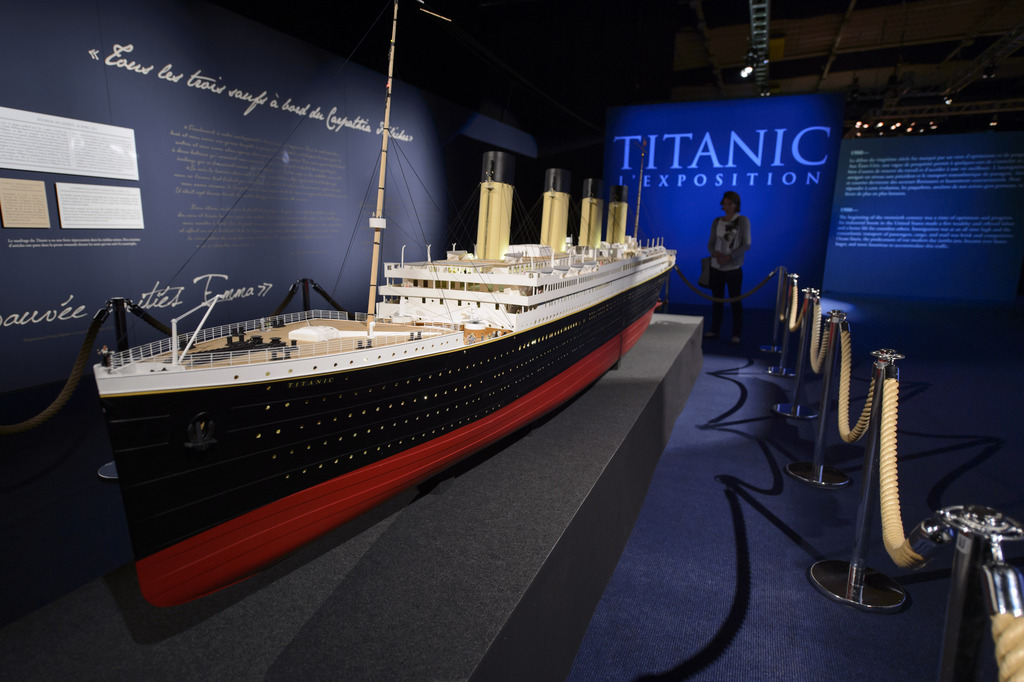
108	471
794	411
771	349
878	594
780	371
823	477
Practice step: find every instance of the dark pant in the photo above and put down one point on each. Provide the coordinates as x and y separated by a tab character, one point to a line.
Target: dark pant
720	279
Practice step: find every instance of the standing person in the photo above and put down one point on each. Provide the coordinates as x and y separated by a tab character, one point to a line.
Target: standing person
730	239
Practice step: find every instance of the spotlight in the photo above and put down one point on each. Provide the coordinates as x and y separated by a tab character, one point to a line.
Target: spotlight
989	72
751	63
994	122
948	100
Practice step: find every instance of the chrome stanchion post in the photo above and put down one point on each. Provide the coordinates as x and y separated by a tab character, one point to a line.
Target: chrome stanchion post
792	409
854	583
781	370
978	571
779	290
817	473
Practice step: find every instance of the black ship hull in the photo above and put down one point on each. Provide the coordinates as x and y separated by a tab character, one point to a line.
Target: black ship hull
219	482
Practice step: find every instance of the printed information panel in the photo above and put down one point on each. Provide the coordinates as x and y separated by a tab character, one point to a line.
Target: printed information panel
928	217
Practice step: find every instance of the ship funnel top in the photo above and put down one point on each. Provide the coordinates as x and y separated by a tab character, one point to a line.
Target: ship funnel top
593	188
591	212
557	180
498	167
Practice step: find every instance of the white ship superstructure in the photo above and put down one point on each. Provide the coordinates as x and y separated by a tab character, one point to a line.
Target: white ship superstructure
530	286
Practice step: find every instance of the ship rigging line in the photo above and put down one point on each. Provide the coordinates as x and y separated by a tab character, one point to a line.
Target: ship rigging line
405	181
272	157
366	198
355	229
495	62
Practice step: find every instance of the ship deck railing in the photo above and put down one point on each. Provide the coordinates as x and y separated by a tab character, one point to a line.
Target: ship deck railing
202	356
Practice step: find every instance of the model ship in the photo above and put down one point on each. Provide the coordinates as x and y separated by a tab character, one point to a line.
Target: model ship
238	444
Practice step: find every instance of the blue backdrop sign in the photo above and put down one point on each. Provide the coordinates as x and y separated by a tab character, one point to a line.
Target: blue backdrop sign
779	154
245	160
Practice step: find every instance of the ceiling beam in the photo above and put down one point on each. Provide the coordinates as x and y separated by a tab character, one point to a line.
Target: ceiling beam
834	51
702	25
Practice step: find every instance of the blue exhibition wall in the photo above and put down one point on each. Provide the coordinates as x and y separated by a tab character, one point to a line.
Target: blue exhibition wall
929	217
779	153
255	156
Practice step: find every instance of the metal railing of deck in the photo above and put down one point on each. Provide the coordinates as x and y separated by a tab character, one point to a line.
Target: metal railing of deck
267	326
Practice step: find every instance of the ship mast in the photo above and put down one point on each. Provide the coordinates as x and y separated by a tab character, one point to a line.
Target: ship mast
377	221
639	190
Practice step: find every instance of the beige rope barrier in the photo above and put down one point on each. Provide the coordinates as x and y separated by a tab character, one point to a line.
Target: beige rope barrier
795	319
1008	634
896	543
819	344
1007	626
847	434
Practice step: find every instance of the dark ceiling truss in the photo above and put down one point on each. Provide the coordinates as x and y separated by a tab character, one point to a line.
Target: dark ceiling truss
937	112
760	10
988	60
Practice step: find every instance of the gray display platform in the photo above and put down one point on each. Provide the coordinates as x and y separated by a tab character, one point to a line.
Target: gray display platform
489	572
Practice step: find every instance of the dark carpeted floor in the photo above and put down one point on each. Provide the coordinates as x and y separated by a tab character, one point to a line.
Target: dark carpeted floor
713	582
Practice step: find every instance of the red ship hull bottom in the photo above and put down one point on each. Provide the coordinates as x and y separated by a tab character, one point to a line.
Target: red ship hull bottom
239	548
